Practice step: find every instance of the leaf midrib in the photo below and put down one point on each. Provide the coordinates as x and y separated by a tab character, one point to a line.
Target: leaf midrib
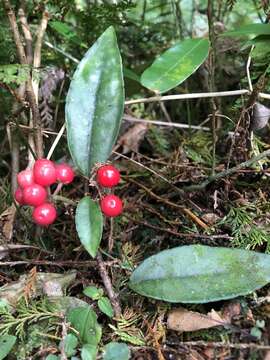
177	64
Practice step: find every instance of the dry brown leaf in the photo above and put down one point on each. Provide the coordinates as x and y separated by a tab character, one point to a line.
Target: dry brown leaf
230	310
131	140
184	320
7	221
210	218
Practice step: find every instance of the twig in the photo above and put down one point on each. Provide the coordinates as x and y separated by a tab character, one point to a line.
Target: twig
242	346
227	172
171	204
247	69
68	263
111	239
194	96
108	286
50	45
56	140
176	233
163	123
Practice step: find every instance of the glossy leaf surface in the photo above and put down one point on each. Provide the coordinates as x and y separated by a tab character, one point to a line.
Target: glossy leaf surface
95	102
250	29
175	65
89	224
200	274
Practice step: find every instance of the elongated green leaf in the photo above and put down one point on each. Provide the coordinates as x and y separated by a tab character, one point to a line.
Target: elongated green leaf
250	29
116	351
95	102
105	306
6	344
199	274
89	224
84	320
175	65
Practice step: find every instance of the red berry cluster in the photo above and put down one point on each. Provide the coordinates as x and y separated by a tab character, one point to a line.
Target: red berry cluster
32	188
108	176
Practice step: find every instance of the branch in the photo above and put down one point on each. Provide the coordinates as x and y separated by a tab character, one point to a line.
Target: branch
26	32
16	33
29	88
108	286
227	172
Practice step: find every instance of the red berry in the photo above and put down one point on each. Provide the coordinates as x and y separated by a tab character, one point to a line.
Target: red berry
34	195
111	205
44	172
44	214
64	173
25	178
19	196
108	176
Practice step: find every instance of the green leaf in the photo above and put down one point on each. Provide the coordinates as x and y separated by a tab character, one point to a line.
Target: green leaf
66	31
200	274
93	292
175	65
6	344
105	306
116	351
250	29
84	320
89	224
70	344
95	103
89	352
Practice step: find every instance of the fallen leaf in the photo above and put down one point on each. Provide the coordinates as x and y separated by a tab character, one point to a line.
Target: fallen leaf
231	310
131	140
210	218
184	320
7	221
12	292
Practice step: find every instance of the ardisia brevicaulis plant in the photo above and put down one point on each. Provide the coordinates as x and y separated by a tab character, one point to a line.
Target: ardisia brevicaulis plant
93	112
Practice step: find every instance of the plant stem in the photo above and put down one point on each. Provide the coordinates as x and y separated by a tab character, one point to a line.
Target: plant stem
108	286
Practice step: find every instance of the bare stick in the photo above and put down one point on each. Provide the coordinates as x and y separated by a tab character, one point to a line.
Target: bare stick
227	172
26	32
108	286
163	123
187	96
194	96
56	141
50	45
247	69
